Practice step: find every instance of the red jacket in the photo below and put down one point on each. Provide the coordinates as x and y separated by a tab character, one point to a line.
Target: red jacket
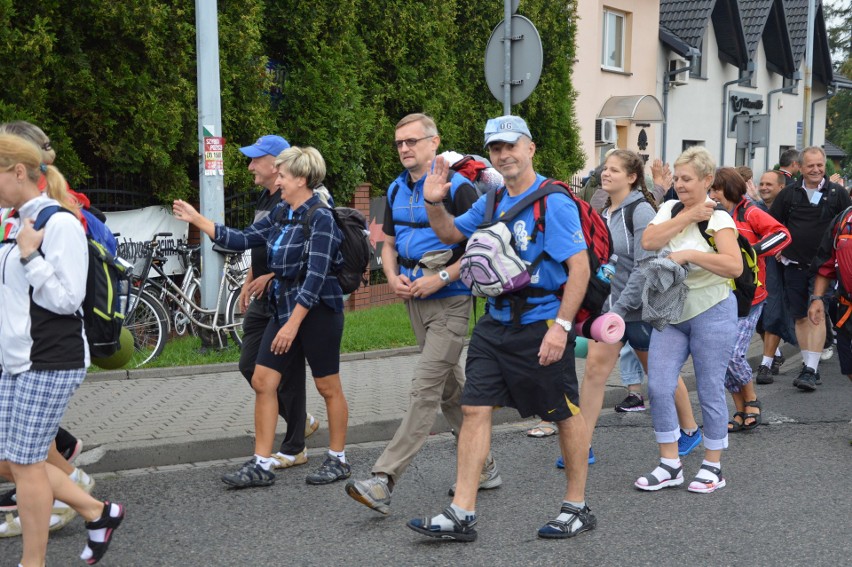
765	234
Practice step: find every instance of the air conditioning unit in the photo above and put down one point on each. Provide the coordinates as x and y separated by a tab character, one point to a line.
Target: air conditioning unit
605	131
677	62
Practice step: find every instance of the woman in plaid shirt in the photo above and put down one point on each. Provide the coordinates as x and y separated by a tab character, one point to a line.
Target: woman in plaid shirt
302	240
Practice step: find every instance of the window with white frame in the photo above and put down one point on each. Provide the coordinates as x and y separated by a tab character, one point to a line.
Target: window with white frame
613	36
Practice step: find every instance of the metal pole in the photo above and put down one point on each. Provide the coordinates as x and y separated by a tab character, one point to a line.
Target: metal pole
507	57
211	187
667	79
809	63
769	122
813	110
749	144
666	87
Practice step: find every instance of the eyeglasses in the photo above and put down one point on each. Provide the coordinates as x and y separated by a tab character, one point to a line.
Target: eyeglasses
410	142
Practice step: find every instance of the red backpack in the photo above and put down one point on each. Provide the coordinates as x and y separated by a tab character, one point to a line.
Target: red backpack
843	263
598	241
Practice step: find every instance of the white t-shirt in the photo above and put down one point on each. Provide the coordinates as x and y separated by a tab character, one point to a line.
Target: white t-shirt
706	289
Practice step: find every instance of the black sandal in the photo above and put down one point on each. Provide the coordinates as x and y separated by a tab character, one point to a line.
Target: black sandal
755	416
462	530
98	548
736	425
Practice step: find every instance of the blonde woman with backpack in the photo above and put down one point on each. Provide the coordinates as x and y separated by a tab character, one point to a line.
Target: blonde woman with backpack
44	352
705	327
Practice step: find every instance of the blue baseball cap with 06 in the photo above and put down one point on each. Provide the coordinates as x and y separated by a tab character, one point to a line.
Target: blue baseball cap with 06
266	146
506	129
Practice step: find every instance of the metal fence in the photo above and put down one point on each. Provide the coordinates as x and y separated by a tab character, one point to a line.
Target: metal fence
111	192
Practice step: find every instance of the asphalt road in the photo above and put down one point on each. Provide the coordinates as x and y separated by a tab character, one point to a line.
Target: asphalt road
787	503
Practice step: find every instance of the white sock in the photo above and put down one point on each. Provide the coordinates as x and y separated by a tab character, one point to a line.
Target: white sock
767	361
704	474
99	535
80	476
662	474
340	455
264	462
446	523
563	517
778	351
279	456
811	358
689	432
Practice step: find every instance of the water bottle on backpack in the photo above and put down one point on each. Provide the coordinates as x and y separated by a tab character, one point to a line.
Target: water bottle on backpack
607	271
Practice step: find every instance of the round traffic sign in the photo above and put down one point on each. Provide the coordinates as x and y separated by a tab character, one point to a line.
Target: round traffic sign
527	59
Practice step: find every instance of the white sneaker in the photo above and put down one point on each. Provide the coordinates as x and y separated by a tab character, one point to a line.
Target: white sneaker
827	353
84	481
60	516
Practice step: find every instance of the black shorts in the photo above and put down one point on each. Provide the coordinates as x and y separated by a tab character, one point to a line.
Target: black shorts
318	341
798	286
502	369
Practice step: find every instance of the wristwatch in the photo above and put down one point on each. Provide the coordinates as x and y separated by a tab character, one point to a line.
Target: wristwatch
814	298
564	324
32	256
444	275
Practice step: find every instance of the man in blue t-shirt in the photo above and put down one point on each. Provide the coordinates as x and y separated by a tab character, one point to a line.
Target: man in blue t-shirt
527	365
424	272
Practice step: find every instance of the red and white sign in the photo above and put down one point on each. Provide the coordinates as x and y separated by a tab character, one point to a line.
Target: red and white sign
214	163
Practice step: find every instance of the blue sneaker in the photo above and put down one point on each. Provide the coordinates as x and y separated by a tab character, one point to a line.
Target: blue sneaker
560	462
687	443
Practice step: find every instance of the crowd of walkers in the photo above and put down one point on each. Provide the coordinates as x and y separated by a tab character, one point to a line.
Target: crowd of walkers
677	249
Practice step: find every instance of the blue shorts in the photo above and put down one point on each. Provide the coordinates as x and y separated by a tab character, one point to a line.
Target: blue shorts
638	335
32	404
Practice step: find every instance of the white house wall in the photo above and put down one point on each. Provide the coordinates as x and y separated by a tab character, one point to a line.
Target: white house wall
694	110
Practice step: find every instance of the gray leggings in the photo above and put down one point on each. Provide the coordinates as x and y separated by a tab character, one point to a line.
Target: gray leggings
709	337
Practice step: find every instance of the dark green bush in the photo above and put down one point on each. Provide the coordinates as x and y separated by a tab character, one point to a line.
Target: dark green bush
114	83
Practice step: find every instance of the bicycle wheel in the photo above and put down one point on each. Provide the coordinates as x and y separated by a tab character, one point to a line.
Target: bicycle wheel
234	314
182	321
148	326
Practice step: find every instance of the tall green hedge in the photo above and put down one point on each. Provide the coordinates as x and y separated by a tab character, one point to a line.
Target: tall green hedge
113	83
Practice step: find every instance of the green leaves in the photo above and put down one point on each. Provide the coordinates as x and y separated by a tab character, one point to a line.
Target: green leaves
114	83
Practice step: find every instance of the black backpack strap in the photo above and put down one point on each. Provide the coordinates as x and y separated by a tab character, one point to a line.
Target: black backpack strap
627	213
741	211
491	200
306	232
702	226
547	187
392	193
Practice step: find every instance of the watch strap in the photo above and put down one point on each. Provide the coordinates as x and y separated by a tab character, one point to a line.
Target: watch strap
32	256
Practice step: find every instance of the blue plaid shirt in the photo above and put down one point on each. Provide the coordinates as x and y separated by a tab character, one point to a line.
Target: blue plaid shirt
282	232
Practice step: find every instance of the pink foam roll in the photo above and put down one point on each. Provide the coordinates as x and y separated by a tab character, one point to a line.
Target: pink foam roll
606	328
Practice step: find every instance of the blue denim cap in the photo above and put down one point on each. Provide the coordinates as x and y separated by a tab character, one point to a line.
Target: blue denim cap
506	129
266	146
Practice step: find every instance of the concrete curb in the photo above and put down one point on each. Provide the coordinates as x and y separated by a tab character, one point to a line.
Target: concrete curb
174	371
108	457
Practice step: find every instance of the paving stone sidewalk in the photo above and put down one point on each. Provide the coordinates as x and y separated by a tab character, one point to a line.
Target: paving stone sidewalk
161	417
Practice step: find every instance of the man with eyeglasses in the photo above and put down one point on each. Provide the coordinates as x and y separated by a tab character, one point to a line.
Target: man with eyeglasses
425	273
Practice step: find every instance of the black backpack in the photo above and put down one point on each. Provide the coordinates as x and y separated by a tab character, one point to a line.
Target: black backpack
745	285
102	316
355	246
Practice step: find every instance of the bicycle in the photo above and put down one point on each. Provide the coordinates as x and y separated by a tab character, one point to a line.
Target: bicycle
148	319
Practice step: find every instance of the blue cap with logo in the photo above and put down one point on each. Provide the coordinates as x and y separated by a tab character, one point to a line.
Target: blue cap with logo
506	129
266	146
